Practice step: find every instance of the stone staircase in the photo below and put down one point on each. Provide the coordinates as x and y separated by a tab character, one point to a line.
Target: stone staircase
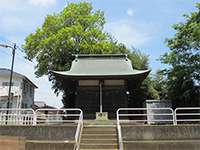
102	135
99	135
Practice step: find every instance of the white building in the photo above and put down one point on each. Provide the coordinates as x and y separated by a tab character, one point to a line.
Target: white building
22	90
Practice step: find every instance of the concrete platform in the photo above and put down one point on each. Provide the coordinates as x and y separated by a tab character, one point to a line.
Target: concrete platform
160	132
40	132
161	137
102	135
12	143
49	145
162	145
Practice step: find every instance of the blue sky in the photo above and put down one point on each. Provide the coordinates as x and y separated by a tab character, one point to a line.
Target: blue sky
142	24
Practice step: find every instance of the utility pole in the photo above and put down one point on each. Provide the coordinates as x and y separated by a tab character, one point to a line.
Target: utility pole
11	75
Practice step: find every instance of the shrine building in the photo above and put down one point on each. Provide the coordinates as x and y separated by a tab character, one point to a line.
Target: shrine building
100	83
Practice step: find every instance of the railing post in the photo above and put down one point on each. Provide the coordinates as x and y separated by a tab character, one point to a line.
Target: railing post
119	131
175	117
34	118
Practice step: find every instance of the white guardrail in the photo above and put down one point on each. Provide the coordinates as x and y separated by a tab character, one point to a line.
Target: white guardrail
44	116
17	116
187	115
142	115
184	115
145	115
62	116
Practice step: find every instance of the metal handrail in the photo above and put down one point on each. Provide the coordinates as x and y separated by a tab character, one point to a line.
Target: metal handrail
144	120
171	113
195	114
79	121
79	131
17	116
119	132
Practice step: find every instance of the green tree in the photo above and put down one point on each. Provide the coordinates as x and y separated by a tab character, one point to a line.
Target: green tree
139	60
78	29
152	87
184	59
147	89
159	84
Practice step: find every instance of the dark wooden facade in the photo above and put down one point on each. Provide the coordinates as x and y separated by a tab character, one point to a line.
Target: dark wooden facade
102	89
88	99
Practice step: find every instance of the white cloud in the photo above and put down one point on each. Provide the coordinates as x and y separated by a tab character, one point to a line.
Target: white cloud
130	12
129	33
42	2
9	5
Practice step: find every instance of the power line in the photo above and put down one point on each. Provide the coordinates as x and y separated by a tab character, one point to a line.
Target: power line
6	52
20	58
22	50
6	40
20	54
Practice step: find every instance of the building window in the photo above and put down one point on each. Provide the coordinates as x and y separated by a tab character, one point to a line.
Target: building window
25	88
31	91
7	83
24	105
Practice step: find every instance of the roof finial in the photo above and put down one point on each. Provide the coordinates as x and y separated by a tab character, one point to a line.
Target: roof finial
76	57
126	57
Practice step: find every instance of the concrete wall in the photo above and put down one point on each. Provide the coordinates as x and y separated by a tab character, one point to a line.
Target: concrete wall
161	137
12	143
161	132
50	132
51	145
161	145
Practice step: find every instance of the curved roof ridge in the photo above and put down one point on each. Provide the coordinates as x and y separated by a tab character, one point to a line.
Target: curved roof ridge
102	65
100	55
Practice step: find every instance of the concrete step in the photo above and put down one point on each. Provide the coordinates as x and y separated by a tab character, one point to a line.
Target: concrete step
100	122
98	149
99	132
99	136
98	146
100	125
99	128
99	141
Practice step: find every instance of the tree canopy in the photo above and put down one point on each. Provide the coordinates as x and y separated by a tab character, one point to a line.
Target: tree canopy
78	29
184	59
